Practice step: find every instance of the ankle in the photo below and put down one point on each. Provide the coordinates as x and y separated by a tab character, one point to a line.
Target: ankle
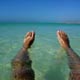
67	48
25	47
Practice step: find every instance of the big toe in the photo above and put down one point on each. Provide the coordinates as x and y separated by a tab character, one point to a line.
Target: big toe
59	33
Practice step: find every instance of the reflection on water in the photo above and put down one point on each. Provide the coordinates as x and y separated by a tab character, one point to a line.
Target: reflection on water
49	60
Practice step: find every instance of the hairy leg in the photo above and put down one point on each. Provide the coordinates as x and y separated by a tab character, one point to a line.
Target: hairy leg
74	59
22	64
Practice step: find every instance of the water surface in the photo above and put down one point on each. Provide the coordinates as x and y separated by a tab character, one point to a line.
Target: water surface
49	59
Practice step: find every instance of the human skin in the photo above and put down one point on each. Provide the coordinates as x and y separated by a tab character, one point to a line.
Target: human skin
22	64
73	58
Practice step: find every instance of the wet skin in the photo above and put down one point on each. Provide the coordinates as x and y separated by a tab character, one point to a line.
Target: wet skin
22	64
73	58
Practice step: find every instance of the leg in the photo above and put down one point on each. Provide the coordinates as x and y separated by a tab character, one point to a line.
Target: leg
74	59
21	64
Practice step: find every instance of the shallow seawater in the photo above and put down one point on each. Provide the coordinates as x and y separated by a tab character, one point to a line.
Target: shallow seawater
49	59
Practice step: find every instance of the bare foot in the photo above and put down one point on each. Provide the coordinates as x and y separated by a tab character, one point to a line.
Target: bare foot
29	39
63	39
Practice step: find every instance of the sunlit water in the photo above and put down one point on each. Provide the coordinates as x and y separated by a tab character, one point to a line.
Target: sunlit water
49	59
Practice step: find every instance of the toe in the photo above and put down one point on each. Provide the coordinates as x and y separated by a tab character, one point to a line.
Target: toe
59	35
63	35
28	34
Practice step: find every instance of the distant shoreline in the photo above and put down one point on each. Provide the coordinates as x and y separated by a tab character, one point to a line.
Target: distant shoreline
4	23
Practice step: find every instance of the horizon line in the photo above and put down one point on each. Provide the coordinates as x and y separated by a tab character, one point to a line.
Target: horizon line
13	22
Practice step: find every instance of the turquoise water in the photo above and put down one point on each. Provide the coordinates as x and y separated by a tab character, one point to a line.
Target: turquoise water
49	59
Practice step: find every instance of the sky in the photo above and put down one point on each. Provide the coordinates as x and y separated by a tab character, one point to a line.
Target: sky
40	10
